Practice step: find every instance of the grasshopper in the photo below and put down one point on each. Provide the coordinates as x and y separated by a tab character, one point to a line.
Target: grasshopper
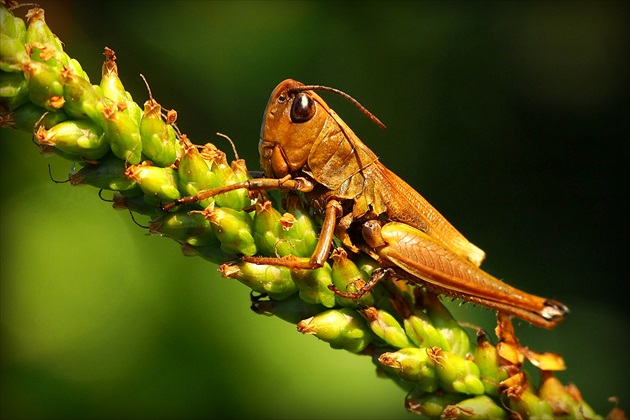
306	147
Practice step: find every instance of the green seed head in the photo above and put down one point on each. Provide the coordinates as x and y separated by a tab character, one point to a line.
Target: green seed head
341	328
412	364
313	285
159	144
565	401
300	228
13	89
123	134
456	338
81	99
267	228
108	174
456	373
272	280
529	405
135	201
191	228
44	84
158	184
486	357
29	116
212	254
347	278
217	162
292	309
480	407
48	54
429	404
233	228
12	26
38	30
421	331
81	138
12	53
386	327
194	172
111	84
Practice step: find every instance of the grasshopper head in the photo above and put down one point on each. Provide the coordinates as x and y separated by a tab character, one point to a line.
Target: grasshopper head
291	124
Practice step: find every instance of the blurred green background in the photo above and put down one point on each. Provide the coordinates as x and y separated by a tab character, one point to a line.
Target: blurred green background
510	117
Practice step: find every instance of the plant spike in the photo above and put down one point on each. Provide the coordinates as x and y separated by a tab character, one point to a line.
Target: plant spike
147	161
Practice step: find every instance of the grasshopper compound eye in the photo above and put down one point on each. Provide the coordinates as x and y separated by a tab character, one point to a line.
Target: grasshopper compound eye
303	108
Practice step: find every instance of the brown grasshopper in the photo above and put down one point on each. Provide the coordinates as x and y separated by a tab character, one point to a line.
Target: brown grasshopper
306	147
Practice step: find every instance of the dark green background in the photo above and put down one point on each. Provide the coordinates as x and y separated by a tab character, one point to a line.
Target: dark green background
510	117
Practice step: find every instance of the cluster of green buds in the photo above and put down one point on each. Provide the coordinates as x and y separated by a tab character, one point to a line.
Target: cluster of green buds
140	155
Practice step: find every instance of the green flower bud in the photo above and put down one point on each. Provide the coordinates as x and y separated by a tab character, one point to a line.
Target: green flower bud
341	328
114	92
456	338
430	404
39	32
233	228
347	278
529	405
134	200
366	265
159	144
81	99
267	228
123	134
193	229
194	173
82	138
47	54
456	373
292	309
133	109
486	357
421	331
299	228
239	168
111	85
386	327
313	285
12	26
108	174
45	87
272	280
158	184
217	162
12	53
480	407
213	254
564	401
13	89
412	364
27	116
77	69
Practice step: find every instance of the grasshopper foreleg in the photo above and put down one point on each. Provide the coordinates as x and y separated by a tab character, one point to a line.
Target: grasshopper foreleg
377	275
286	184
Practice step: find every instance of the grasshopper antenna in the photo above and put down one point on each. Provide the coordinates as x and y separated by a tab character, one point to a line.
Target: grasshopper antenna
344	95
